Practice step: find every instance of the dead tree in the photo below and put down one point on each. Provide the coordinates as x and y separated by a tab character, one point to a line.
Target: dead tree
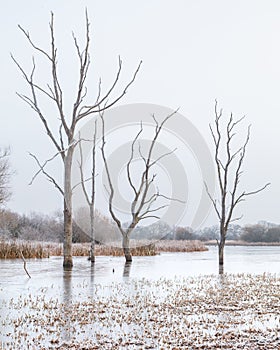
142	205
229	161
82	107
5	176
90	197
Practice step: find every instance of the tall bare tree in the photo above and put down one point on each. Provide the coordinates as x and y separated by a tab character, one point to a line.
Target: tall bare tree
90	196
143	201
82	107
229	162
5	175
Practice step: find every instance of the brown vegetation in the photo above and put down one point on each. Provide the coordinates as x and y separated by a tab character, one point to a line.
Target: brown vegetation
234	311
13	249
180	246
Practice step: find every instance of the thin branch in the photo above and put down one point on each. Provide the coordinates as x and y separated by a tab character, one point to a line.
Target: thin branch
128	171
111	188
81	164
214	202
74	143
42	166
33	102
49	177
80	182
97	107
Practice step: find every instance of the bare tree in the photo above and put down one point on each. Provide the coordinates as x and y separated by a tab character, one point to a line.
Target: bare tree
5	175
90	197
142	205
229	161
63	139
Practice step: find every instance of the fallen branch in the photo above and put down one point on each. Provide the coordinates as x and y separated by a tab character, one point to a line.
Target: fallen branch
24	264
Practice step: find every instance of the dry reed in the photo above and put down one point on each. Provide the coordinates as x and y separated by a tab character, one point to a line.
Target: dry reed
13	249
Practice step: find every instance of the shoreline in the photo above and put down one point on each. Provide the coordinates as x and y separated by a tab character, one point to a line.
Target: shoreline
245	244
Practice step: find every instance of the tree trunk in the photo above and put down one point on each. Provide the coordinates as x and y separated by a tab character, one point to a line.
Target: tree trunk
222	246
221	253
126	248
67	243
127	268
92	236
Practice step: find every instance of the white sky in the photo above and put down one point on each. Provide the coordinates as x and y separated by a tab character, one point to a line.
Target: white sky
193	52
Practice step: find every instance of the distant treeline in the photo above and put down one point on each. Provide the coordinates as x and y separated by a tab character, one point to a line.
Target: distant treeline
49	228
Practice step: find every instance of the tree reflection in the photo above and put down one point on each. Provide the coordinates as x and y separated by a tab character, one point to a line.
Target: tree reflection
126	269
221	269
66	305
92	275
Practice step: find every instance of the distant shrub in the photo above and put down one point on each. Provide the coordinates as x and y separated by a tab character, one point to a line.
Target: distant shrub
261	233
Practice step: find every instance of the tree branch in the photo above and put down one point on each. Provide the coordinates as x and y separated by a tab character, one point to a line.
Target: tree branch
49	177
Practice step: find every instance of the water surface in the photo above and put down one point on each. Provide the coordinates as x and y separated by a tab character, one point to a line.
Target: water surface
49	274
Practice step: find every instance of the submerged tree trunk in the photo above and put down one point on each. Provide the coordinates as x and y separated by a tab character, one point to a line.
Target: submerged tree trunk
126	248
221	253
92	236
67	243
221	245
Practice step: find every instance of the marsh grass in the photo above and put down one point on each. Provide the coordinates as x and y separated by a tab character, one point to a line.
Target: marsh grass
13	249
180	246
39	250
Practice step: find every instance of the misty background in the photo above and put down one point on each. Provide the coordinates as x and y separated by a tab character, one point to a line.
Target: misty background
193	52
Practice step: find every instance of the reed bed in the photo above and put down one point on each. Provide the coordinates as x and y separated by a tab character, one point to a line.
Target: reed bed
180	246
39	250
13	250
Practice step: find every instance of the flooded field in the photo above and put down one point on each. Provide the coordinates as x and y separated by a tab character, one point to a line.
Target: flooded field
170	301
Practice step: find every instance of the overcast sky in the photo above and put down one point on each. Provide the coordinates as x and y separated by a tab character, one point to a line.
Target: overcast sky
193	52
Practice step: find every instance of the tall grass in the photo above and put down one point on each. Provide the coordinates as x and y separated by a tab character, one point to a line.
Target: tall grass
180	246
13	249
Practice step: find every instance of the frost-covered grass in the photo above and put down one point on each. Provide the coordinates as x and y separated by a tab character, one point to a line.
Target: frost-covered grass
207	312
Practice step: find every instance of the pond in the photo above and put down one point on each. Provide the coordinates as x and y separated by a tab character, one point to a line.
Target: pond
29	306
48	273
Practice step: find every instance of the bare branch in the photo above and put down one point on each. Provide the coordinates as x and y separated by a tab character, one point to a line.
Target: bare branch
84	59
111	188
162	156
27	35
214	202
131	159
49	177
80	182
97	107
24	264
171	199
33	103
82	172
